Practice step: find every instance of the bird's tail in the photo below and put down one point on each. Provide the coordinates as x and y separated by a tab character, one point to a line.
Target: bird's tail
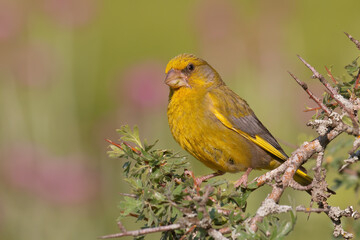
302	178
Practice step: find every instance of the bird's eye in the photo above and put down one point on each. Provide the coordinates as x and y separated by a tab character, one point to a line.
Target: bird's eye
190	67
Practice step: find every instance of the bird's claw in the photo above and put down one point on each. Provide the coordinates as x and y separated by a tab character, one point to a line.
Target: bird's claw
243	181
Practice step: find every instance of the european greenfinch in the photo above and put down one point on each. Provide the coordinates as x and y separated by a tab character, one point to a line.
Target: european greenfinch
215	125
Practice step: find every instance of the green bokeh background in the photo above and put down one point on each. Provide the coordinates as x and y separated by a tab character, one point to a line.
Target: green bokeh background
71	72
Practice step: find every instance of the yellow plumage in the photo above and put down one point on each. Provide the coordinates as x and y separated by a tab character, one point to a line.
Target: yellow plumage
214	124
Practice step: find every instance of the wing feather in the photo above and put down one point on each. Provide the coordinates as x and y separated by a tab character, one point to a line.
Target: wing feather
238	116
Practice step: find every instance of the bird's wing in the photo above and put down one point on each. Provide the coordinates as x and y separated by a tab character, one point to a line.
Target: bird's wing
235	114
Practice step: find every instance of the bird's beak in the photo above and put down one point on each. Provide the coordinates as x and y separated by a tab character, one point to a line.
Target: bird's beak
176	79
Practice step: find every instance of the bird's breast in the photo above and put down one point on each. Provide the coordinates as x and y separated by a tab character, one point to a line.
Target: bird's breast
186	117
200	133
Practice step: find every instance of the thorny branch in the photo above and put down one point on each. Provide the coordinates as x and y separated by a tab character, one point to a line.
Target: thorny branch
328	130
312	96
144	231
357	43
345	104
189	221
352	159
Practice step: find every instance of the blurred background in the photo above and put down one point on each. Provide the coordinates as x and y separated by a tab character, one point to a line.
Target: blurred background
73	71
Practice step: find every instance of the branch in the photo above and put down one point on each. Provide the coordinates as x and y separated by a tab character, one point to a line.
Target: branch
216	234
312	96
331	76
143	231
343	102
300	156
335	214
317	168
357	43
269	206
352	159
310	210
294	185
121	226
316	74
270	175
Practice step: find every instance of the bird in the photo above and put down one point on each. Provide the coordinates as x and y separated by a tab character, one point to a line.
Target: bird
215	125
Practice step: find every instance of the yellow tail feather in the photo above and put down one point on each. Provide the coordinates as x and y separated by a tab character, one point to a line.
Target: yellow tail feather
302	178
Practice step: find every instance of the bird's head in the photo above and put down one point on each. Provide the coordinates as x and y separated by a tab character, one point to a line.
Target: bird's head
187	70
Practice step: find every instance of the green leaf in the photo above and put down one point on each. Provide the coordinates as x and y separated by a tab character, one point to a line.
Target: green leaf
126	167
115	152
352	68
128	135
159	197
178	190
286	229
147	155
129	205
149	147
252	186
347	120
200	215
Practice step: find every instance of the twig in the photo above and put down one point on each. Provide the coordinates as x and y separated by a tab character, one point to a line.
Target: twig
317	75
310	210
225	230
270	175
357	43
312	109
355	146
187	232
121	226
208	190
294	185
319	161
269	206
320	192
132	148
357	80
344	103
143	231
331	76
311	95
128	195
125	143
354	158
332	91
335	214
216	234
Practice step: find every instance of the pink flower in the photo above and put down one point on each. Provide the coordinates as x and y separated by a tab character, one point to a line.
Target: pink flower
218	30
34	65
143	85
215	20
11	19
71	13
61	180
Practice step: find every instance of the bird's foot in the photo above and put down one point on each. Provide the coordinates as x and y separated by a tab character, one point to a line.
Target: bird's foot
243	181
199	180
